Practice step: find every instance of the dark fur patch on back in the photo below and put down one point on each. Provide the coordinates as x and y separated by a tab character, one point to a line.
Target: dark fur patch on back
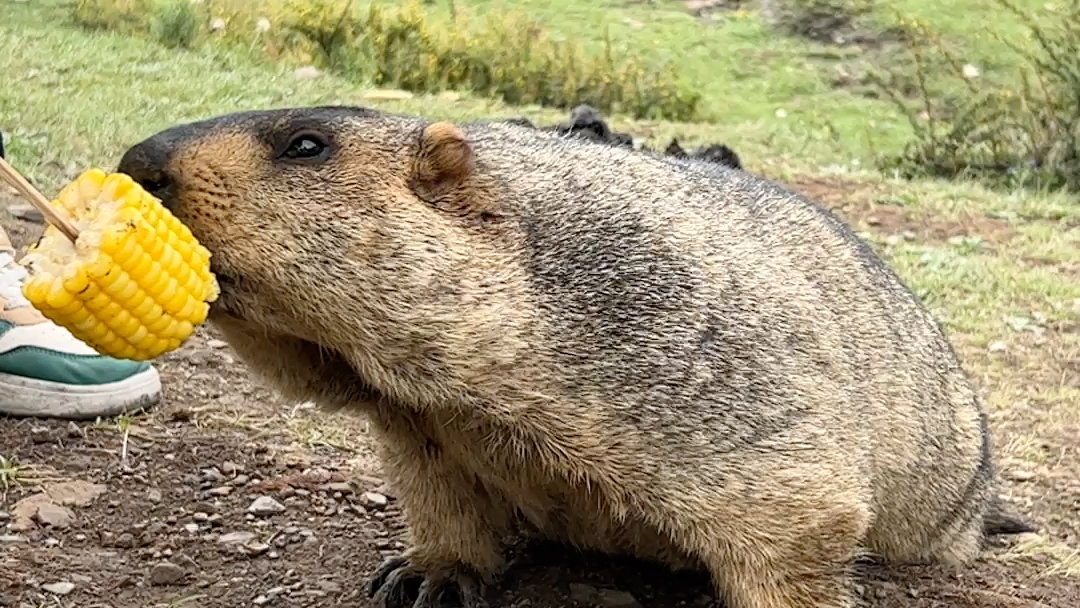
633	324
611	286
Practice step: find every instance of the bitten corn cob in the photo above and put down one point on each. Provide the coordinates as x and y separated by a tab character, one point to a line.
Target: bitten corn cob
134	284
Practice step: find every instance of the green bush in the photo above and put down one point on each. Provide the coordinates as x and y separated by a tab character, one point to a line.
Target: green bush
507	55
177	23
1025	134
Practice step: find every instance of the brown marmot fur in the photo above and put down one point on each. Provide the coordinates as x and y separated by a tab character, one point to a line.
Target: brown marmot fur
630	353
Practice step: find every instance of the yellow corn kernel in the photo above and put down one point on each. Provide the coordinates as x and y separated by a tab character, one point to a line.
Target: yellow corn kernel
135	283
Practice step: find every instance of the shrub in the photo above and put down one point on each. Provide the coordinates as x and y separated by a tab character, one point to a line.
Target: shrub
507	55
1022	135
177	23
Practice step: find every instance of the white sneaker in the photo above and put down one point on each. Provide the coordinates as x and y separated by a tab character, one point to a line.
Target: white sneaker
47	372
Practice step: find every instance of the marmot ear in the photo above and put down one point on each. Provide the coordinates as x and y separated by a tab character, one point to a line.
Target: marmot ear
444	162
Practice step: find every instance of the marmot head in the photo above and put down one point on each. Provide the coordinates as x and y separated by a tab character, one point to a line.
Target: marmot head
319	217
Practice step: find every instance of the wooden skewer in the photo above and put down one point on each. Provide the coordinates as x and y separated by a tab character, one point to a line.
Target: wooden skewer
37	199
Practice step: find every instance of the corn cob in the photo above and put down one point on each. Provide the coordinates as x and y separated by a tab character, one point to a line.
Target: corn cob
135	282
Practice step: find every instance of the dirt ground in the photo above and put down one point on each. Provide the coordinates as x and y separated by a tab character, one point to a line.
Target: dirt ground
159	509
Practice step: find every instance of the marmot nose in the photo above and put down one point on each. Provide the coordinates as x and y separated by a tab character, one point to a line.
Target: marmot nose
147	161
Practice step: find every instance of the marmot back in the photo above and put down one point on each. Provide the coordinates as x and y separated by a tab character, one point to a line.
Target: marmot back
660	357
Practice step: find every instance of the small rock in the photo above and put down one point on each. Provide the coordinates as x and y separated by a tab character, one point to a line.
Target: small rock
51	542
4	516
227	467
25	511
39	434
240	480
73	430
997	346
256	548
26	213
213	474
154	496
343	487
1020	475
74	493
261	600
330	586
893	240
235	538
580	593
307	72
909	235
11	539
80	537
205	507
166	573
219	344
126	541
192	528
374	500
610	598
264	505
54	515
221	491
215	519
61	588
873	220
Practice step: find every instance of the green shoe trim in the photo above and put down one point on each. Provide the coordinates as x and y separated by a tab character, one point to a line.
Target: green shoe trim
64	368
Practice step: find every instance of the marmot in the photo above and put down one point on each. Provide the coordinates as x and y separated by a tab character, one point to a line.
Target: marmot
652	356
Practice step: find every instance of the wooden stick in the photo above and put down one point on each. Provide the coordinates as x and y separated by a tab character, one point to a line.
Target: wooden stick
37	199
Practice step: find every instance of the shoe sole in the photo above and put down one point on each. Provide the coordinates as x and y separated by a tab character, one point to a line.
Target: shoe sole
21	396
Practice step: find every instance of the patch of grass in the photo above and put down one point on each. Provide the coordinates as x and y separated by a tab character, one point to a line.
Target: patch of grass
177	23
1065	559
506	55
1005	134
11	474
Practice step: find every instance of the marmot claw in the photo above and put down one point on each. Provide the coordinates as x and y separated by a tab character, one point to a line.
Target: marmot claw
400	584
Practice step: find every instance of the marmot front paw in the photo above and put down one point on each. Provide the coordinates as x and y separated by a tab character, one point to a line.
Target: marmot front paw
401	583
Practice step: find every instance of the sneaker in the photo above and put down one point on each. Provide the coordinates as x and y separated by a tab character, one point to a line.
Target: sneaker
47	372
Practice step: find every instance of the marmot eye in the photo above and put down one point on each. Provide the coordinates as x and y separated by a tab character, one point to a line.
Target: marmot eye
304	146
